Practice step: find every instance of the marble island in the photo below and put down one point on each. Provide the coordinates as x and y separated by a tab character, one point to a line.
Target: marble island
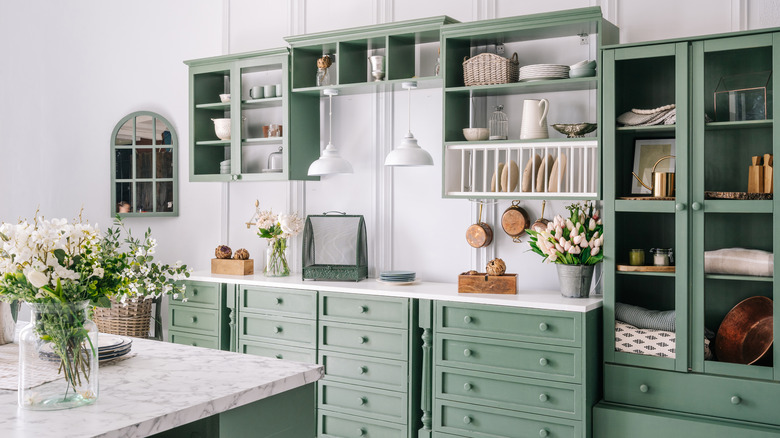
170	387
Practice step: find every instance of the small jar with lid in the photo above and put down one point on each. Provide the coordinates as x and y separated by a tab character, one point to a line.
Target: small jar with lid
662	256
498	124
275	161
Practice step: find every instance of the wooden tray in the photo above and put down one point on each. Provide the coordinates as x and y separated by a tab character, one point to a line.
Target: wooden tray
487	284
629	268
232	267
743	196
647	198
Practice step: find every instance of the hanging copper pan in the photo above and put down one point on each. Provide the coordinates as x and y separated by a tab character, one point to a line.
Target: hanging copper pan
514	221
479	235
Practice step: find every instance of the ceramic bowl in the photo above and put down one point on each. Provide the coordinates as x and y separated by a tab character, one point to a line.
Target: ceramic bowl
746	333
476	134
584	64
582	72
222	128
224	97
573	130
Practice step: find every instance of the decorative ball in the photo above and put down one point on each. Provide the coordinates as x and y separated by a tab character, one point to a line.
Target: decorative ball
496	267
241	254
223	252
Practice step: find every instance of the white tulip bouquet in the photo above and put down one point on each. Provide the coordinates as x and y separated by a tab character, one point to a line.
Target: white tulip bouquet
576	240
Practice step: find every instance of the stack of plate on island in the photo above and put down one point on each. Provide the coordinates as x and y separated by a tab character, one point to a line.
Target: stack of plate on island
541	72
112	346
397	277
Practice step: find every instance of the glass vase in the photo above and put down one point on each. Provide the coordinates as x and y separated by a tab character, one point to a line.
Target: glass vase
58	357
276	258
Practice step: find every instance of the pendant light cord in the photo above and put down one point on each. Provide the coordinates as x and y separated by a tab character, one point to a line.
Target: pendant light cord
410	110
330	118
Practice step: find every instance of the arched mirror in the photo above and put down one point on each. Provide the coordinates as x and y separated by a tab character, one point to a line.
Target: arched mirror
144	166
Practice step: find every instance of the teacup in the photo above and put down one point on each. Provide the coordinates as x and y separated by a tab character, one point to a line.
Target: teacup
270	90
256	92
278	88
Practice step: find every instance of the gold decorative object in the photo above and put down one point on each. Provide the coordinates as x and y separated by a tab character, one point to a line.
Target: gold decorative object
223	252
573	130
241	254
496	267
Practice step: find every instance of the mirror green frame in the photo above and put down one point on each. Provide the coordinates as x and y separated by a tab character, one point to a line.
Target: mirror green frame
144	166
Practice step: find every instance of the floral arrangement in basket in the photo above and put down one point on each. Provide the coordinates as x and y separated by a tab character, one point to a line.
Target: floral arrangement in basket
575	240
277	229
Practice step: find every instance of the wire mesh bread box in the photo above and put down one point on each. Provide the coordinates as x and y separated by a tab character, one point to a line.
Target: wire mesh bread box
335	247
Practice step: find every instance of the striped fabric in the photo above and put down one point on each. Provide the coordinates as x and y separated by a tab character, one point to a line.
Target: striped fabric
645	319
630	339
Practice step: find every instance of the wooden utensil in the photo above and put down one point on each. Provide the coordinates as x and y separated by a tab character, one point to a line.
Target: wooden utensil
514	221
756	176
479	235
768	174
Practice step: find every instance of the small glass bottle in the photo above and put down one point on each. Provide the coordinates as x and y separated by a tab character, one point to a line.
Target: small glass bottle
498	124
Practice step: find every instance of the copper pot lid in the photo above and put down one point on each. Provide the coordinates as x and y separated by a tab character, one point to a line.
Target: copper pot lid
746	333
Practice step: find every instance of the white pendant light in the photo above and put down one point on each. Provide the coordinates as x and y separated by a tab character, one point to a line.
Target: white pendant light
409	153
330	162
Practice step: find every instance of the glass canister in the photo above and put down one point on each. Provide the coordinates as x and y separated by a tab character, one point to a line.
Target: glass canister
662	256
498	124
275	160
58	357
636	257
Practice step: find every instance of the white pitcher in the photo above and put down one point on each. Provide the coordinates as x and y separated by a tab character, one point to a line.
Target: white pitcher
534	124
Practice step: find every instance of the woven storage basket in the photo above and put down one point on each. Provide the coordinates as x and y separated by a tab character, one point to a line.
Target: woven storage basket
488	69
125	320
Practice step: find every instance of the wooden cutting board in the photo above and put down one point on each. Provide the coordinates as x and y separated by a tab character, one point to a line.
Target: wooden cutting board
629	268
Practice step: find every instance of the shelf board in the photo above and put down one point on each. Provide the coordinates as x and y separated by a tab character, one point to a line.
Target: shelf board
742	124
649	206
269	102
369	87
225	106
523	195
262	140
585	142
737	206
213	143
646	273
735	369
652	128
553	85
738	277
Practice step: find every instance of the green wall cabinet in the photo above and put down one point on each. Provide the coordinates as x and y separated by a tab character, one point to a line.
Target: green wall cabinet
713	152
206	319
250	143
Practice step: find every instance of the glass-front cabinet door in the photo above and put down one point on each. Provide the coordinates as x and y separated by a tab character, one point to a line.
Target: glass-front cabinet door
645	100
733	226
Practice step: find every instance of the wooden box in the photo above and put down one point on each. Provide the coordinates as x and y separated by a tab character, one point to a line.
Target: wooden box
232	267
487	284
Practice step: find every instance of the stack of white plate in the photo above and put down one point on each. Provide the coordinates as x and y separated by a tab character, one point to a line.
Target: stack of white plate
397	277
224	167
540	72
112	346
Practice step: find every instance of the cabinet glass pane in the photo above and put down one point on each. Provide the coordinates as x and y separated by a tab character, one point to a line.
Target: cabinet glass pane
143	197
143	163
165	196
144	129
124	163
728	156
644	83
124	197
737	81
164	163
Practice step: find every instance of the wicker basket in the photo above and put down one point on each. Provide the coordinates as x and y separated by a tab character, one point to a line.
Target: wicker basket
125	320
488	69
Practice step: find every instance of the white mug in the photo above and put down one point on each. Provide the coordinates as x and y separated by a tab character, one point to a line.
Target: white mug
278	88
270	90
534	124
256	92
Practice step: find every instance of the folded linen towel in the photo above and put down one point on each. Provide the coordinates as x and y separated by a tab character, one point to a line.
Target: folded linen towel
644	318
739	261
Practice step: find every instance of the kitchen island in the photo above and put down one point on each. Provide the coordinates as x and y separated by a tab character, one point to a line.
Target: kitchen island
173	390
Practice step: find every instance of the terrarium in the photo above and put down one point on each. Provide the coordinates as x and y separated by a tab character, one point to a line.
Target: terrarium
335	247
744	97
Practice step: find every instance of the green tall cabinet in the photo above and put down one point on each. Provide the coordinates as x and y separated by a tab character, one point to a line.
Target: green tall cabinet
689	394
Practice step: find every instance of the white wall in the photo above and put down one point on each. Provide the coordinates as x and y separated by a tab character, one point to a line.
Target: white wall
71	70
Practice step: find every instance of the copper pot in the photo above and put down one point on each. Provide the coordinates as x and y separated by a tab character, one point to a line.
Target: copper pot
514	221
479	235
541	223
746	333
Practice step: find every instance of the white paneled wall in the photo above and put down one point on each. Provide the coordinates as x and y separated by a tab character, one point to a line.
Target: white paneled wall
70	71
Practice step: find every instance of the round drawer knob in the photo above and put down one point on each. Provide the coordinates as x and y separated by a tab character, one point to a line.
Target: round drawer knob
644	388
277	329
278	356
363	339
679	206
735	400
467	319
543	327
361	432
543	433
279	300
467	386
467	352
194	319
543	362
363	369
363	309
362	400
696	206
543	397
467	419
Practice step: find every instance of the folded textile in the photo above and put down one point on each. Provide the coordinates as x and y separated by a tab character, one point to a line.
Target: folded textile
739	261
644	318
665	115
629	339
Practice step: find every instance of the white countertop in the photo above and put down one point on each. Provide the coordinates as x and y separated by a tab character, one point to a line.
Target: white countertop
164	386
534	299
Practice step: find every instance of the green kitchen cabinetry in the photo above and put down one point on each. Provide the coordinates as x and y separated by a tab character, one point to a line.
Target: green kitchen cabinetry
692	393
204	320
563	37
250	142
497	369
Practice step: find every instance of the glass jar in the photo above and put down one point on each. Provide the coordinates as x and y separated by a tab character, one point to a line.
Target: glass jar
58	357
662	256
636	257
275	160
498	124
276	258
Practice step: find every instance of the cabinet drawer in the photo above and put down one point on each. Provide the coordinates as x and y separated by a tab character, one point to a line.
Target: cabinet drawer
365	340
363	370
202	321
542	326
278	351
739	399
200	294
338	425
361	309
528	395
288	302
473	420
277	329
193	340
360	400
516	358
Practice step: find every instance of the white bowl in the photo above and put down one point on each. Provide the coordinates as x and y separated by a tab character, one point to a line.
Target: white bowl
582	72
224	97
476	134
222	128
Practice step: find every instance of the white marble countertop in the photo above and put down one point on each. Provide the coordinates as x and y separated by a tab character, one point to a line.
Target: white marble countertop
164	386
534	299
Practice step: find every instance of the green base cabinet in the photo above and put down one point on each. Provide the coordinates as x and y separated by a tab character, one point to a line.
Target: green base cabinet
204	320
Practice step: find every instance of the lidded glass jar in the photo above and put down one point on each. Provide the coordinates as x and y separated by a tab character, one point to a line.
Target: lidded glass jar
275	160
498	124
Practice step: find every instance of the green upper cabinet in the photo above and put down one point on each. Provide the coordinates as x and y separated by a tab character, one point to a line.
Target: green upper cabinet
543	164
240	119
408	50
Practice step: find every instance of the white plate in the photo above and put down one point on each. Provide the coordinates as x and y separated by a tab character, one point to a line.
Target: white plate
398	283
541	78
